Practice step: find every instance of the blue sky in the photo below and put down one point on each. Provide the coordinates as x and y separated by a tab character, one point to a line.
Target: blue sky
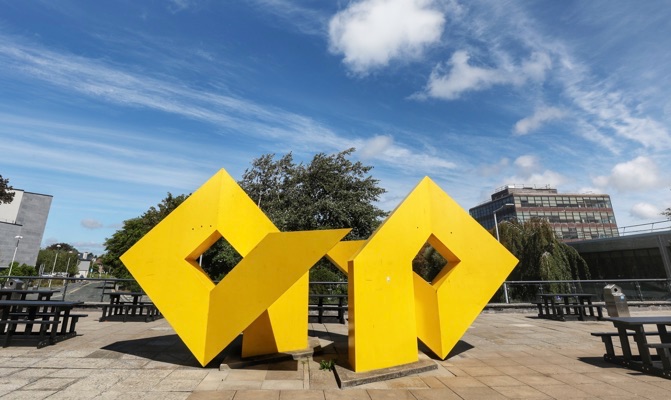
108	106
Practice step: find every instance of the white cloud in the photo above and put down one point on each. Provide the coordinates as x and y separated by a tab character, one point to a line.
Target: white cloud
90	223
106	82
527	162
306	20
372	33
543	179
494	169
373	147
607	112
541	116
384	149
645	211
176	6
637	174
96	248
526	173
463	77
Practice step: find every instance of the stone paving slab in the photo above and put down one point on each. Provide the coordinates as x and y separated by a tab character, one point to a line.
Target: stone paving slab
501	356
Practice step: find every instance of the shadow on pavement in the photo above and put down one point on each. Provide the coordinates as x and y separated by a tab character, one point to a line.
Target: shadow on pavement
167	349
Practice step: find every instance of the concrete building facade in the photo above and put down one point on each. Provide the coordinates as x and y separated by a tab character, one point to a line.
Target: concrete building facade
572	216
640	256
25	216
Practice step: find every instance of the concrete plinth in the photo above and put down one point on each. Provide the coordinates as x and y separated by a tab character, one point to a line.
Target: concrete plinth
348	378
234	359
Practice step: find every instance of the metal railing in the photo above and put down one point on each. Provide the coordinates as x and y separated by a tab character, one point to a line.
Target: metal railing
93	290
646	228
633	289
89	290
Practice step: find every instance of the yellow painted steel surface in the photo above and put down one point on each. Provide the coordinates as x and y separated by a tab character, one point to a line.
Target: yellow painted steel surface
390	306
164	264
266	293
343	251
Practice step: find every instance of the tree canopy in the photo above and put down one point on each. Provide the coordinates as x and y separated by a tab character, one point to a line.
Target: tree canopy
19	270
329	192
62	247
6	196
63	259
542	257
132	231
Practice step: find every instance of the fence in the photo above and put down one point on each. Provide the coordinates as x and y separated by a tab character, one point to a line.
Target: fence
88	290
93	290
634	289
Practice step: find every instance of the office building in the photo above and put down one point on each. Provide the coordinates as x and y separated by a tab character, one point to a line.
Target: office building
638	256
572	216
26	216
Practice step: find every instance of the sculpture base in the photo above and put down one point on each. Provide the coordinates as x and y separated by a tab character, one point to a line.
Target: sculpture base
348	378
234	359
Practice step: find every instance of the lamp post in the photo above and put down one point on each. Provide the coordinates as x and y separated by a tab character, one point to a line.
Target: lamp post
67	269
496	223
18	239
58	247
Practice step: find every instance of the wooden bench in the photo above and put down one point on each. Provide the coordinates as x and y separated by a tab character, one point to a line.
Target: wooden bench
44	324
74	318
581	310
146	310
68	325
322	307
607	339
664	353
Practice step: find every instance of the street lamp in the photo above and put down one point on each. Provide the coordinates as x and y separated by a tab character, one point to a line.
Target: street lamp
58	247
68	266
496	223
18	239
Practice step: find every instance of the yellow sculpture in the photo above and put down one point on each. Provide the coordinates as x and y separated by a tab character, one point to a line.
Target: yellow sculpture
265	295
386	295
275	265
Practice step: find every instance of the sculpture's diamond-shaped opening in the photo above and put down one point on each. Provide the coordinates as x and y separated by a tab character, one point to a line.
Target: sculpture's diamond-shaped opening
428	263
434	261
216	257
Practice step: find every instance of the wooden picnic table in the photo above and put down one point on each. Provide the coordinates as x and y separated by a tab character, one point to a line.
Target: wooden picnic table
47	314
561	305
21	294
635	327
322	306
129	304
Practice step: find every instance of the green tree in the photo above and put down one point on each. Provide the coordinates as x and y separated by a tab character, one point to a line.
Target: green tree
20	270
132	231
66	262
5	195
65	247
541	256
428	263
329	192
666	213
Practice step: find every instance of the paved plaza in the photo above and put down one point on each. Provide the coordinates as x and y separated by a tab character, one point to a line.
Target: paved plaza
504	355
